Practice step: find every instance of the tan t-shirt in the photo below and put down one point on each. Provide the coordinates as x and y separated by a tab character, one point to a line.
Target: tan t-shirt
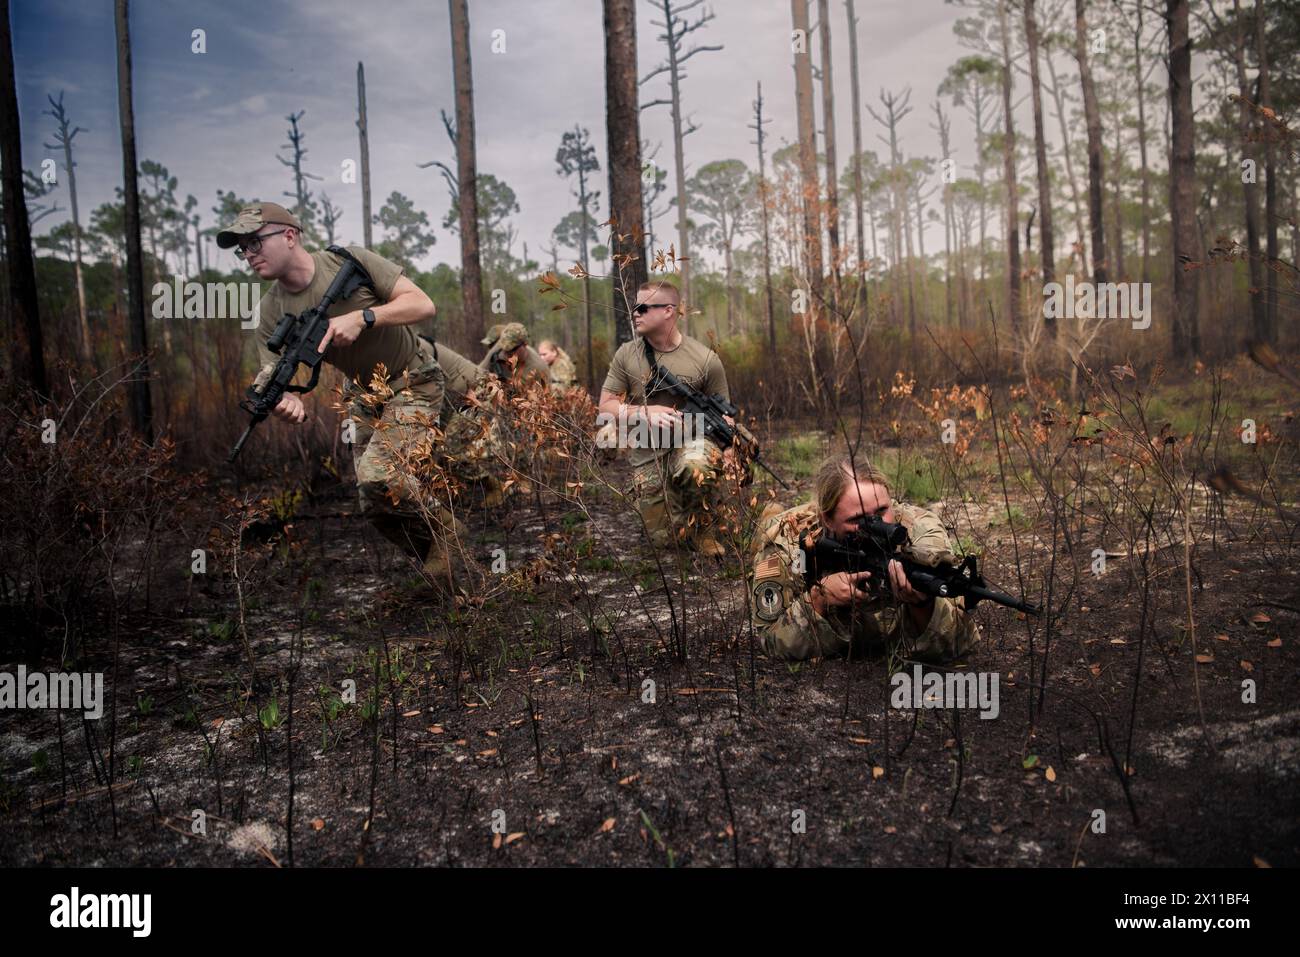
693	362
394	346
461	373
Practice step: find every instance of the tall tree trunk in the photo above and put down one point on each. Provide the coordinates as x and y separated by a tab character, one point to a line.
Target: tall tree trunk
763	212
140	402
1047	238
812	228
1245	129
832	170
28	351
1009	174
860	300
1092	116
623	136
1142	148
1117	198
1270	169
679	161
1185	328
471	273
64	138
1076	201
363	134
944	128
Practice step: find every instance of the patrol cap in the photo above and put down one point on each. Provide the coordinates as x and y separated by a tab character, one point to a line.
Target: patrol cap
252	218
513	335
493	335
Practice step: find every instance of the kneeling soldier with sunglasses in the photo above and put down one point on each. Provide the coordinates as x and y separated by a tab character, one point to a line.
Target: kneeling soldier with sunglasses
675	467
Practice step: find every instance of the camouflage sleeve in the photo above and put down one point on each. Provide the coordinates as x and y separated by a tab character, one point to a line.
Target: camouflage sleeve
951	631
785	622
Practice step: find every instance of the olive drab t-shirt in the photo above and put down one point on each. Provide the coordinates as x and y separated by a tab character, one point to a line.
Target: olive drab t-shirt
394	346
462	374
693	362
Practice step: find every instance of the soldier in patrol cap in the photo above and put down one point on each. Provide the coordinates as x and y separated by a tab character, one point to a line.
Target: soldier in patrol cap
373	328
511	357
845	612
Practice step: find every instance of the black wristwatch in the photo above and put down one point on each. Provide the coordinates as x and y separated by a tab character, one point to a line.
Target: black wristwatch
369	316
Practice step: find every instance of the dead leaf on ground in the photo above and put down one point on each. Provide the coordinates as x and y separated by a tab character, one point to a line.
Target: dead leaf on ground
607	825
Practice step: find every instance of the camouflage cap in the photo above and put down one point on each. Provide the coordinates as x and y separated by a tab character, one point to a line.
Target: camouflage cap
252	218
493	335
513	335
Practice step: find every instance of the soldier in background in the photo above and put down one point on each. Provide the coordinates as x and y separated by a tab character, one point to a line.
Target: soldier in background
843	613
564	375
512	359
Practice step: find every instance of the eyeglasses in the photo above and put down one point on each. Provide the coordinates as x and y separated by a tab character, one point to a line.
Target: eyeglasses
643	307
254	244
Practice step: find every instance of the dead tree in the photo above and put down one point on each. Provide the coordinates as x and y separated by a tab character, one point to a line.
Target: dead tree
676	28
757	127
301	195
28	351
139	400
1047	250
363	133
811	189
623	141
856	101
1009	173
471	280
1185	327
828	135
1092	117
63	138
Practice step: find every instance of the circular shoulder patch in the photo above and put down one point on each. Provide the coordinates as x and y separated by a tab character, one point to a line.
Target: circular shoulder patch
769	600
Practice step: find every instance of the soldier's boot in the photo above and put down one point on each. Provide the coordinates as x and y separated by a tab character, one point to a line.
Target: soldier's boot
706	543
437	568
657	523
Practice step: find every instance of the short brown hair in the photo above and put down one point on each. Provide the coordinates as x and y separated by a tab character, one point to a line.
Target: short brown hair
662	285
834	476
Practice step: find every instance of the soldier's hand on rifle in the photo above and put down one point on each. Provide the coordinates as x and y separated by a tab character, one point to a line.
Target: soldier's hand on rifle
290	409
842	588
661	416
902	588
343	330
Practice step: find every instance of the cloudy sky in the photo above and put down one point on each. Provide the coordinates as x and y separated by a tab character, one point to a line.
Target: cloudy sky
217	120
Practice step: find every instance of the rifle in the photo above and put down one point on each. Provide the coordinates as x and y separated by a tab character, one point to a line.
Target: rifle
877	542
714	409
296	341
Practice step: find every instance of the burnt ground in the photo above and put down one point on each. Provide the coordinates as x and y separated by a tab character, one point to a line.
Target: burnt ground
529	713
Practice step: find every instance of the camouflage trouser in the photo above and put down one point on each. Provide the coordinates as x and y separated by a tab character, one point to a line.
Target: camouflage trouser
387	434
677	484
472	439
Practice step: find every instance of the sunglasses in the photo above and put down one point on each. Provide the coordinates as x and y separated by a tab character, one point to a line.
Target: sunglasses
644	307
254	244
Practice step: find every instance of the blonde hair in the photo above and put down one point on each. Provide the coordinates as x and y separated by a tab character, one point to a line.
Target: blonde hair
833	480
662	285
